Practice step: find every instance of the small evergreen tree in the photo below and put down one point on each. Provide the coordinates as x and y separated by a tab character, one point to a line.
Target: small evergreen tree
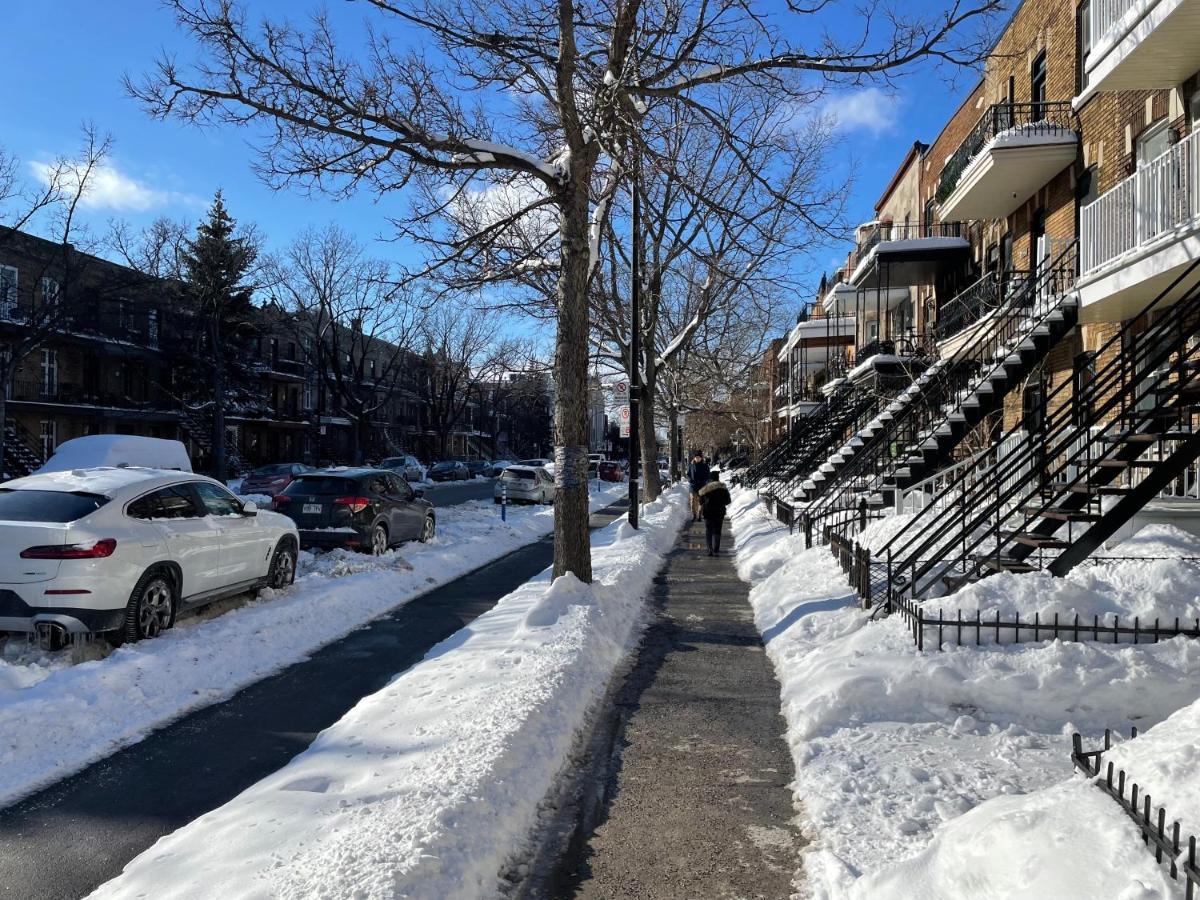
217	263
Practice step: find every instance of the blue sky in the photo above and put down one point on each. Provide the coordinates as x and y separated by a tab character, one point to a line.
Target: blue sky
62	62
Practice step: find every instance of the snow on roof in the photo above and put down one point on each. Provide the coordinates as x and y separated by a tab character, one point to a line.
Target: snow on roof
105	480
101	450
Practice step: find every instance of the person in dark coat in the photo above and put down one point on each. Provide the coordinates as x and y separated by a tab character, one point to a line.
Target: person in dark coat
714	500
697	478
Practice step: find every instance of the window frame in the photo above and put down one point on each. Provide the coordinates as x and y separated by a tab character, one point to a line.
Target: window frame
224	493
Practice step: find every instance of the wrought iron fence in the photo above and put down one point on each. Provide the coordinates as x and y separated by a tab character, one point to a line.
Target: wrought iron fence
1150	820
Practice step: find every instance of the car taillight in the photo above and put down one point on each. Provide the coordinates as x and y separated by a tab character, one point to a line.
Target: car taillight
356	504
280	501
94	550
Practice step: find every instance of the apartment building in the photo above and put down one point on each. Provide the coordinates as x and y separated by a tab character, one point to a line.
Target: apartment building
116	352
1046	392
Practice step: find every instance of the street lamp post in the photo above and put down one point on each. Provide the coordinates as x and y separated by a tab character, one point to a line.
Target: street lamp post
635	342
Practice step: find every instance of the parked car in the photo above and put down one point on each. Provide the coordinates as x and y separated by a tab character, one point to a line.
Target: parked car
407	467
449	470
538	463
610	471
479	467
93	450
499	465
596	457
525	484
364	509
272	479
120	551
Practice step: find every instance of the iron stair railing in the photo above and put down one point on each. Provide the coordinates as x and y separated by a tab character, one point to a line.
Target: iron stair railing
1057	476
919	432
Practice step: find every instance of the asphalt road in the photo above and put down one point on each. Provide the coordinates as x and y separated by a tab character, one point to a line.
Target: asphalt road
449	493
66	840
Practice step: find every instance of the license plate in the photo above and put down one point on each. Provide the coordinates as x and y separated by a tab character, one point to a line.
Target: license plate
312	509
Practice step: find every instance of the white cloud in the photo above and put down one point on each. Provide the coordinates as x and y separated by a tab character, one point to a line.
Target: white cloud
869	109
109	188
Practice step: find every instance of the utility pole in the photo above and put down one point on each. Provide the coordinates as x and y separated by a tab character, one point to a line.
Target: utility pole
635	341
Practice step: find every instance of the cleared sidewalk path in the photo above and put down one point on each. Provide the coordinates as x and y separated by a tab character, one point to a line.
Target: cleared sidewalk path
699	803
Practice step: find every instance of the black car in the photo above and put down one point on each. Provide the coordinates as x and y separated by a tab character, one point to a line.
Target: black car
364	509
479	467
449	470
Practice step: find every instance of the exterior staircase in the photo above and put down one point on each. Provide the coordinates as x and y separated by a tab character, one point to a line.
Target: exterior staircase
1056	494
22	451
920	431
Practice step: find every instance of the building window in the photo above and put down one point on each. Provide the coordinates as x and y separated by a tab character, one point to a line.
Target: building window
152	327
1083	28
49	372
308	397
1194	110
291	350
1037	87
49	437
1153	142
50	293
8	291
1089	186
274	350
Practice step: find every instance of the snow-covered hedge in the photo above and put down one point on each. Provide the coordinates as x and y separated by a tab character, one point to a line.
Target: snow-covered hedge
428	787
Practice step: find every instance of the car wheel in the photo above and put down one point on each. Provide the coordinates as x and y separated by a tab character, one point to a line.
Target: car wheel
151	607
283	565
379	540
428	530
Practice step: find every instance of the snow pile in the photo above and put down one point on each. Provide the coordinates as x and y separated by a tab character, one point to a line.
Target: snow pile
430	787
58	717
890	744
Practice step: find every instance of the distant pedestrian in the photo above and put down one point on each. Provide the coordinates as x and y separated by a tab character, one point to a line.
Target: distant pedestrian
697	478
714	500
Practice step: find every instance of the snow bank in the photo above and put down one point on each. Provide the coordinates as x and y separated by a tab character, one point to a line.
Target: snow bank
57	717
891	744
430	786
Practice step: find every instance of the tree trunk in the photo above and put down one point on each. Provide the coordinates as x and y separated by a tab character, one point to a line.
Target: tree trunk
3	424
673	442
572	543
218	442
651	484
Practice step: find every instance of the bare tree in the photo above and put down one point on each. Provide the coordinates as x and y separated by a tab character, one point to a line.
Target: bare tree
460	357
432	101
61	277
359	326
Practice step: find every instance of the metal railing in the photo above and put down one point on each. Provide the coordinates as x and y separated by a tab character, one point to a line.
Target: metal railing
1049	119
1104	16
980	299
1160	196
883	232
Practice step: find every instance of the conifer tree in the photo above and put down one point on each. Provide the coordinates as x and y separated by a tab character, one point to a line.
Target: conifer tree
217	264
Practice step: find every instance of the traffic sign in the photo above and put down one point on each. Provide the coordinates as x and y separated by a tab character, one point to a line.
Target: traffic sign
623	418
621	391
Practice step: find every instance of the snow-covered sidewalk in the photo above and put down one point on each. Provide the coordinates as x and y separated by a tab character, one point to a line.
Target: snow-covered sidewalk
893	746
58	716
431	787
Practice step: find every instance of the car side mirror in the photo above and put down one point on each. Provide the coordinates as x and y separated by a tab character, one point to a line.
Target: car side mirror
249	508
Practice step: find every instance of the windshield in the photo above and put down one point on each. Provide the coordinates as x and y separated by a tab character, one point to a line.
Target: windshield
281	469
442	466
320	484
47	506
393	462
517	474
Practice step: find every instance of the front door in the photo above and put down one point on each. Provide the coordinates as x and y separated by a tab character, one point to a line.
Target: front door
193	539
244	547
409	515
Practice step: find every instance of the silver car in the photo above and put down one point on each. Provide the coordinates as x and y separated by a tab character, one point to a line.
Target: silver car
525	484
407	467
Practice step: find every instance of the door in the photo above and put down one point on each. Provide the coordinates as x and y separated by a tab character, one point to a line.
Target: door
409	515
244	549
193	539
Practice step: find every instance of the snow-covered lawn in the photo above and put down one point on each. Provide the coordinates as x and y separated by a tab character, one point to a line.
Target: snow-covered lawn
58	714
430	788
893	747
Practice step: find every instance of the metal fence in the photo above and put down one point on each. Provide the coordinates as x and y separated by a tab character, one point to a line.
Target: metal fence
1150	820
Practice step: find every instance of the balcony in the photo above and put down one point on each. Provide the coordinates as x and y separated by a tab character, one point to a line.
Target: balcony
1014	149
894	256
1139	44
78	395
1136	238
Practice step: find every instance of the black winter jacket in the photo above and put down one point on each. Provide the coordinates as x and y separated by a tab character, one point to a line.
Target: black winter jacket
714	500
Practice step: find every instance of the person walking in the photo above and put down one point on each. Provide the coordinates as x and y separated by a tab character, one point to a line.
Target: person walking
697	478
714	501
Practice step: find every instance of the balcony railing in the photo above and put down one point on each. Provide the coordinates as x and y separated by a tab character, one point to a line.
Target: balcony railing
908	231
988	293
1017	122
1104	15
36	391
1163	195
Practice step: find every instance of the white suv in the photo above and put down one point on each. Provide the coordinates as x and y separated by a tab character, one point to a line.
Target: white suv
122	550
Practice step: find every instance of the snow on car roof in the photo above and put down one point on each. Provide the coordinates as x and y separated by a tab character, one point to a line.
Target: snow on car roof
104	480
